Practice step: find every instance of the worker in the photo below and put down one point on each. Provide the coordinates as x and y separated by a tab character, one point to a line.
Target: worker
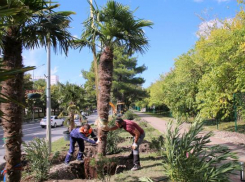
79	135
138	135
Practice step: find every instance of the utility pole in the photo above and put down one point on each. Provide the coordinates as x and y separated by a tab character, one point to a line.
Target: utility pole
48	101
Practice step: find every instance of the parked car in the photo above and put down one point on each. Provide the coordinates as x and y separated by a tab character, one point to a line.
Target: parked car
84	113
79	121
55	121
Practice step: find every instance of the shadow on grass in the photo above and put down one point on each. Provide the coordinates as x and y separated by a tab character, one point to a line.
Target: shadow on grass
153	165
151	158
210	122
160	179
240	128
127	178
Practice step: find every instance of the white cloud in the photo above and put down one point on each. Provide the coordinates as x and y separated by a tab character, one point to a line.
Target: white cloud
80	75
76	36
220	1
206	27
55	70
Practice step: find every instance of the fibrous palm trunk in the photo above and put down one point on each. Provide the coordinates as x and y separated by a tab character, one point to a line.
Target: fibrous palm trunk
105	82
12	120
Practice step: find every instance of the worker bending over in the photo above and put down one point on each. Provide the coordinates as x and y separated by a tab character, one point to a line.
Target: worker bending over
79	135
138	135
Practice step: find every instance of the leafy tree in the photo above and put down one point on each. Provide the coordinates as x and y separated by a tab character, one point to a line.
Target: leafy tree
89	86
126	86
28	84
156	92
223	77
71	93
181	87
41	102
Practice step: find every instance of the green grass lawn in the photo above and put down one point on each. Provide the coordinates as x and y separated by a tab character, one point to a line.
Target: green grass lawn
151	167
226	126
160	116
60	145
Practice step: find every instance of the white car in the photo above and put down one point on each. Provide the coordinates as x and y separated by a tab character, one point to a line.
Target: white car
84	113
55	121
78	121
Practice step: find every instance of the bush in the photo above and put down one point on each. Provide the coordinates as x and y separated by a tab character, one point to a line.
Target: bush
38	158
129	115
113	139
157	143
187	158
143	124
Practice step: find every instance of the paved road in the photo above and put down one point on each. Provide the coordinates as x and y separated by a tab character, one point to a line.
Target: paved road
34	130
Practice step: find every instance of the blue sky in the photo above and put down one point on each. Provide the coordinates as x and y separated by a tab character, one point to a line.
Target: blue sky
174	33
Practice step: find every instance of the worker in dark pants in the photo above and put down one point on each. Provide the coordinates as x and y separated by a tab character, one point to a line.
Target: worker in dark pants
79	135
137	132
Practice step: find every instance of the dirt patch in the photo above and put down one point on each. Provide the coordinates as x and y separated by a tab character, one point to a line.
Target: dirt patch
120	164
89	151
145	147
231	137
75	170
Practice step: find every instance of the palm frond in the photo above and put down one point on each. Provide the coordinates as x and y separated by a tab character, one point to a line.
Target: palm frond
115	25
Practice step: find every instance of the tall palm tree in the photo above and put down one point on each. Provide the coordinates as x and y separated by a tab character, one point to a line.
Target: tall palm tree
114	25
30	28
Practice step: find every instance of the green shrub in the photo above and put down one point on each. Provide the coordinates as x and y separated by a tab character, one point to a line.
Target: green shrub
187	158
143	123
38	158
157	144
129	115
113	139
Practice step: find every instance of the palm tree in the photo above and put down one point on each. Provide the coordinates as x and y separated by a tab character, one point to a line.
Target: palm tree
72	109
29	29
72	99
114	25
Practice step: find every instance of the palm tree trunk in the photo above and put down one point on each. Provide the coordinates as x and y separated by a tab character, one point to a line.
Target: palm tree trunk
12	120
105	82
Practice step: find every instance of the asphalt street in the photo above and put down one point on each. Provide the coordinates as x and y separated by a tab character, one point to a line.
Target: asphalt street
33	130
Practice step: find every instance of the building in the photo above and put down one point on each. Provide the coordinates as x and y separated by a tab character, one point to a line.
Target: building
53	80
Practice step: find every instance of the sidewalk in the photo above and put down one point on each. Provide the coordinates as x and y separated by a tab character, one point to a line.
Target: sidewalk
234	141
